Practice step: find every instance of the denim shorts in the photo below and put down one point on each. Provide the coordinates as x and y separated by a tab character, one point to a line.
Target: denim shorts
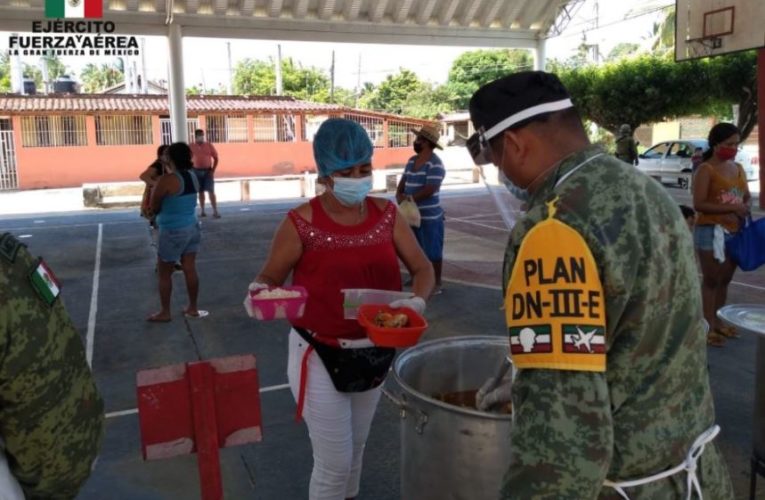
173	243
206	179
704	235
430	236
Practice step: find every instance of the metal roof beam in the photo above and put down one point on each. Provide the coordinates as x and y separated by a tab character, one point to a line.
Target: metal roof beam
326	9
247	7
192	6
468	15
401	13
275	8
490	12
376	14
511	16
220	7
299	9
532	12
351	10
446	14
425	12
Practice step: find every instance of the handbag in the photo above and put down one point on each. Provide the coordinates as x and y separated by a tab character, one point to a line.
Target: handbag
747	247
408	208
352	370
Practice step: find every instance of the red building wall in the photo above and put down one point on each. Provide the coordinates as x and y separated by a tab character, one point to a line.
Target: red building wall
72	166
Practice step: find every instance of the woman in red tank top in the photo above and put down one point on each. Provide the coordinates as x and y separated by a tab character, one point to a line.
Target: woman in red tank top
340	239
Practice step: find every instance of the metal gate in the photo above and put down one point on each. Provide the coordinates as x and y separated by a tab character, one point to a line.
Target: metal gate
9	178
166	129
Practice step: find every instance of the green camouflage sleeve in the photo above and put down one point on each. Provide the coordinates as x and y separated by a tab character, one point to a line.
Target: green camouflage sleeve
51	415
562	435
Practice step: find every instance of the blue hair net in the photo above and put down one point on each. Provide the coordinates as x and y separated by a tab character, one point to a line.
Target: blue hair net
340	144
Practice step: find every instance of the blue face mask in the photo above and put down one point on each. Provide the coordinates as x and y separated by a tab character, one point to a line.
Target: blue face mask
515	190
351	191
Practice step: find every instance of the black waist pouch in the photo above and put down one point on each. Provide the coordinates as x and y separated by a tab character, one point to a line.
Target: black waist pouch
352	370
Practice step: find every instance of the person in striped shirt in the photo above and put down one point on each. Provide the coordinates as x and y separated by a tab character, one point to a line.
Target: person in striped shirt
421	182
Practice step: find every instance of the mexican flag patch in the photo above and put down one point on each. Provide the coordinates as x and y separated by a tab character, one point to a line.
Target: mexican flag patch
45	283
530	339
74	8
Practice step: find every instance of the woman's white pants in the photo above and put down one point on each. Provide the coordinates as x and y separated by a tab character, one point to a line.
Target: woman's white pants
338	425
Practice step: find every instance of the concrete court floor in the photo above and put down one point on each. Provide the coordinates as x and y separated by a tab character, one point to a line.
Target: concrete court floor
232	250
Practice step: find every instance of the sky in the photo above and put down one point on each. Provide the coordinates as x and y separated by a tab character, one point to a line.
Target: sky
205	60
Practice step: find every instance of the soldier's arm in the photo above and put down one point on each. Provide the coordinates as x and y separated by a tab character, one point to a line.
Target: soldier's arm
51	415
562	435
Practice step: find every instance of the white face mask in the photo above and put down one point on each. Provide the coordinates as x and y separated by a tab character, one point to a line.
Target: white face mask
350	191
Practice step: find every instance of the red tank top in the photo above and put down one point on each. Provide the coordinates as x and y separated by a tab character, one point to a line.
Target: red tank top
337	257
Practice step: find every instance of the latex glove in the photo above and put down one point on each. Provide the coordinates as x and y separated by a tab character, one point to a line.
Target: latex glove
417	304
488	396
253	287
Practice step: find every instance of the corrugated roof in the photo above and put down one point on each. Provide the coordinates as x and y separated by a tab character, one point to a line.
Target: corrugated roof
117	103
498	23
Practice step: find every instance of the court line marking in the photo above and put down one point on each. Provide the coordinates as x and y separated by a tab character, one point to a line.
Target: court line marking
90	337
133	411
503	229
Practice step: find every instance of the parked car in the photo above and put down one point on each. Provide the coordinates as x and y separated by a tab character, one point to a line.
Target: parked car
665	160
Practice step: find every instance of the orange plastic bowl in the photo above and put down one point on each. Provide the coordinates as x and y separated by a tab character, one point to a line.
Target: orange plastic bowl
391	337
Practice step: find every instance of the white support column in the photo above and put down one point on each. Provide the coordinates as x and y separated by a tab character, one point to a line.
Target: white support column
540	55
177	90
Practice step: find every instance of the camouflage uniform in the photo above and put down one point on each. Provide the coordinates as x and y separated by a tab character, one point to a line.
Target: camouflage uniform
626	149
574	429
51	415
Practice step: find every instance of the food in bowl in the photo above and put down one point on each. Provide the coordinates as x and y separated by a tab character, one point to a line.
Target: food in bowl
466	399
276	293
390	320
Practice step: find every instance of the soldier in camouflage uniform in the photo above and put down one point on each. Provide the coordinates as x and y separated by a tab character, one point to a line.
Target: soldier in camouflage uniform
626	149
603	310
51	415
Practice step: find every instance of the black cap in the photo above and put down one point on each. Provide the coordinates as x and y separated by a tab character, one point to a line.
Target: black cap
513	99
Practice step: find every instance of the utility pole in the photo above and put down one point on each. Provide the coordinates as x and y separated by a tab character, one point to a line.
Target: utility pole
358	83
278	70
230	71
332	80
44	69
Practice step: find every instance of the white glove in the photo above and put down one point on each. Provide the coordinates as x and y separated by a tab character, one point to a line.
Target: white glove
488	396
253	287
417	304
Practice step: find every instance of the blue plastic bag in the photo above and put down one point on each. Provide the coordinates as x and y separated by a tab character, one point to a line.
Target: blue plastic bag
747	247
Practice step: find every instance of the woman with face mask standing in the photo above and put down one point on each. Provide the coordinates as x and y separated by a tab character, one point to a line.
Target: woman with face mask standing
721	198
341	239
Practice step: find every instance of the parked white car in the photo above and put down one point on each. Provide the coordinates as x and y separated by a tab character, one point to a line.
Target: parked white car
666	160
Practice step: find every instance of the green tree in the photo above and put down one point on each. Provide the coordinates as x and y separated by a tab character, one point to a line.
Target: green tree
652	88
257	77
475	68
429	101
96	78
392	94
5	72
55	67
622	50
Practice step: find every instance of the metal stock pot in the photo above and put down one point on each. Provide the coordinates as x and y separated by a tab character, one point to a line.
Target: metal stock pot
449	452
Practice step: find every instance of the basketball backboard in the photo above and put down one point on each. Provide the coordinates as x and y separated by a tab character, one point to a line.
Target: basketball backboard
706	28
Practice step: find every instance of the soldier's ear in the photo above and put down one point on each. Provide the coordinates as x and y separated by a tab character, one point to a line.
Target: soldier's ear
514	143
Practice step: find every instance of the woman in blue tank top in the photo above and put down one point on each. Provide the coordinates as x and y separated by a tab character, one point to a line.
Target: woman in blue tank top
174	199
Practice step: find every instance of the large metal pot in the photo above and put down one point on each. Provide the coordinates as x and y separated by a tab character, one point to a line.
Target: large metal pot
448	452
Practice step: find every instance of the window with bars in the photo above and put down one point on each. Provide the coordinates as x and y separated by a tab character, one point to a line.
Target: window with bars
223	128
273	128
53	131
399	134
373	126
311	126
118	130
